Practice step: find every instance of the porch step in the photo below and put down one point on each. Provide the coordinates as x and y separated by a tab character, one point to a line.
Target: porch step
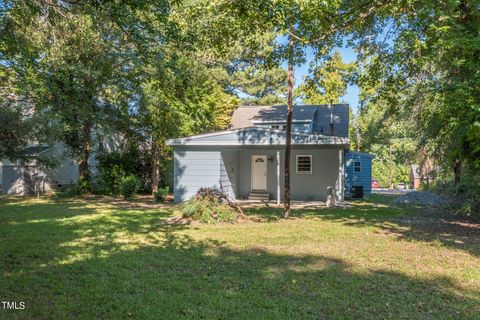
259	195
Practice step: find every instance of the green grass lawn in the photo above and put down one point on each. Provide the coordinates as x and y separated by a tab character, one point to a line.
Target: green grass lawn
101	259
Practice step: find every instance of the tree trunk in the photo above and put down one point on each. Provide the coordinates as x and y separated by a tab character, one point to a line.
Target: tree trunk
390	180
83	170
357	127
457	170
357	133
288	139
155	166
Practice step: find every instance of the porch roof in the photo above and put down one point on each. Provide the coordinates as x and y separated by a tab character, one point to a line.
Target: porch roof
252	136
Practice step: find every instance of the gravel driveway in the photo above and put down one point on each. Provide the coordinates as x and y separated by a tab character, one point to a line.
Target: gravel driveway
391	191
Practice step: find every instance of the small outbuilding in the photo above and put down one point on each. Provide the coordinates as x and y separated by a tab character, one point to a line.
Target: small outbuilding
358	174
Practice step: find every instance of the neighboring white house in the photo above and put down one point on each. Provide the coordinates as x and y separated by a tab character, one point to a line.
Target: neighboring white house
28	177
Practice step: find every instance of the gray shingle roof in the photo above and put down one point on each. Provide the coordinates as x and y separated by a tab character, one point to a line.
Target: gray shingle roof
339	113
279	113
257	136
321	115
34	151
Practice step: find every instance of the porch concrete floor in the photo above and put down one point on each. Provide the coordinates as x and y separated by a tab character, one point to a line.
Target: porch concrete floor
273	204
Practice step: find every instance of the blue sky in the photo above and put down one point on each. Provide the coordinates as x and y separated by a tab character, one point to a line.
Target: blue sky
348	55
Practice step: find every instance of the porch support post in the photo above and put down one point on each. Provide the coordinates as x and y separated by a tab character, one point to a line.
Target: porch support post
341	177
278	177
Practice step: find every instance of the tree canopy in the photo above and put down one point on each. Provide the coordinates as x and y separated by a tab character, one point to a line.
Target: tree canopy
421	65
153	70
327	82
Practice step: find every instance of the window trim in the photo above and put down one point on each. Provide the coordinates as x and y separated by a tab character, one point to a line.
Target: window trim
278	126
311	164
359	166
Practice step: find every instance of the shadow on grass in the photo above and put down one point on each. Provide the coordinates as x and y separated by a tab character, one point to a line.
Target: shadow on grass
371	209
51	231
185	278
51	207
125	265
409	223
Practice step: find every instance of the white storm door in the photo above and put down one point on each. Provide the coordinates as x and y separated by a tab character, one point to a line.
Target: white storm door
259	172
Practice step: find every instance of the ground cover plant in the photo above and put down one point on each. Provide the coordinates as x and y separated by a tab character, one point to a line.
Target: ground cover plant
161	194
105	258
129	186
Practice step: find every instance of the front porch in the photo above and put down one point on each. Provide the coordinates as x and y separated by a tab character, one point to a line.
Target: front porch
258	173
249	163
294	204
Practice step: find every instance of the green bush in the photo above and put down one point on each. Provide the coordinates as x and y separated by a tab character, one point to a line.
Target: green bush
98	188
113	166
129	186
161	194
464	196
85	184
110	172
72	191
209	206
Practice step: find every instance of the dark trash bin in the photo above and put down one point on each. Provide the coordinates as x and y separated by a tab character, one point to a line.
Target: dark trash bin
357	192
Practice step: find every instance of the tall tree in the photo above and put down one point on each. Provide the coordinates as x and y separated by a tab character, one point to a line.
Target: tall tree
206	61
14	129
305	23
328	81
255	74
181	100
288	136
70	61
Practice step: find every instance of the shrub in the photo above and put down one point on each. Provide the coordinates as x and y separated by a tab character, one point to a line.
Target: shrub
468	194
129	186
85	184
113	166
110	173
98	188
161	194
209	206
464	196
72	191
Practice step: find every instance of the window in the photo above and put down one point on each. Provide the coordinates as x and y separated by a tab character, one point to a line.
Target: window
357	166
279	126
304	164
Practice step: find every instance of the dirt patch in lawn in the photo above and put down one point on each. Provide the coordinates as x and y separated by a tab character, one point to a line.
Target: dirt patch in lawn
440	226
247	204
139	202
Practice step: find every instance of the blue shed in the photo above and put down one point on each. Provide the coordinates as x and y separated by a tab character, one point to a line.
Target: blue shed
358	171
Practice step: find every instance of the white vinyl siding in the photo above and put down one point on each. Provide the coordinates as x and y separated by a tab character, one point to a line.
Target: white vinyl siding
304	164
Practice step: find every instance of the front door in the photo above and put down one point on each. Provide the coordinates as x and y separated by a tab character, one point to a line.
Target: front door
259	172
